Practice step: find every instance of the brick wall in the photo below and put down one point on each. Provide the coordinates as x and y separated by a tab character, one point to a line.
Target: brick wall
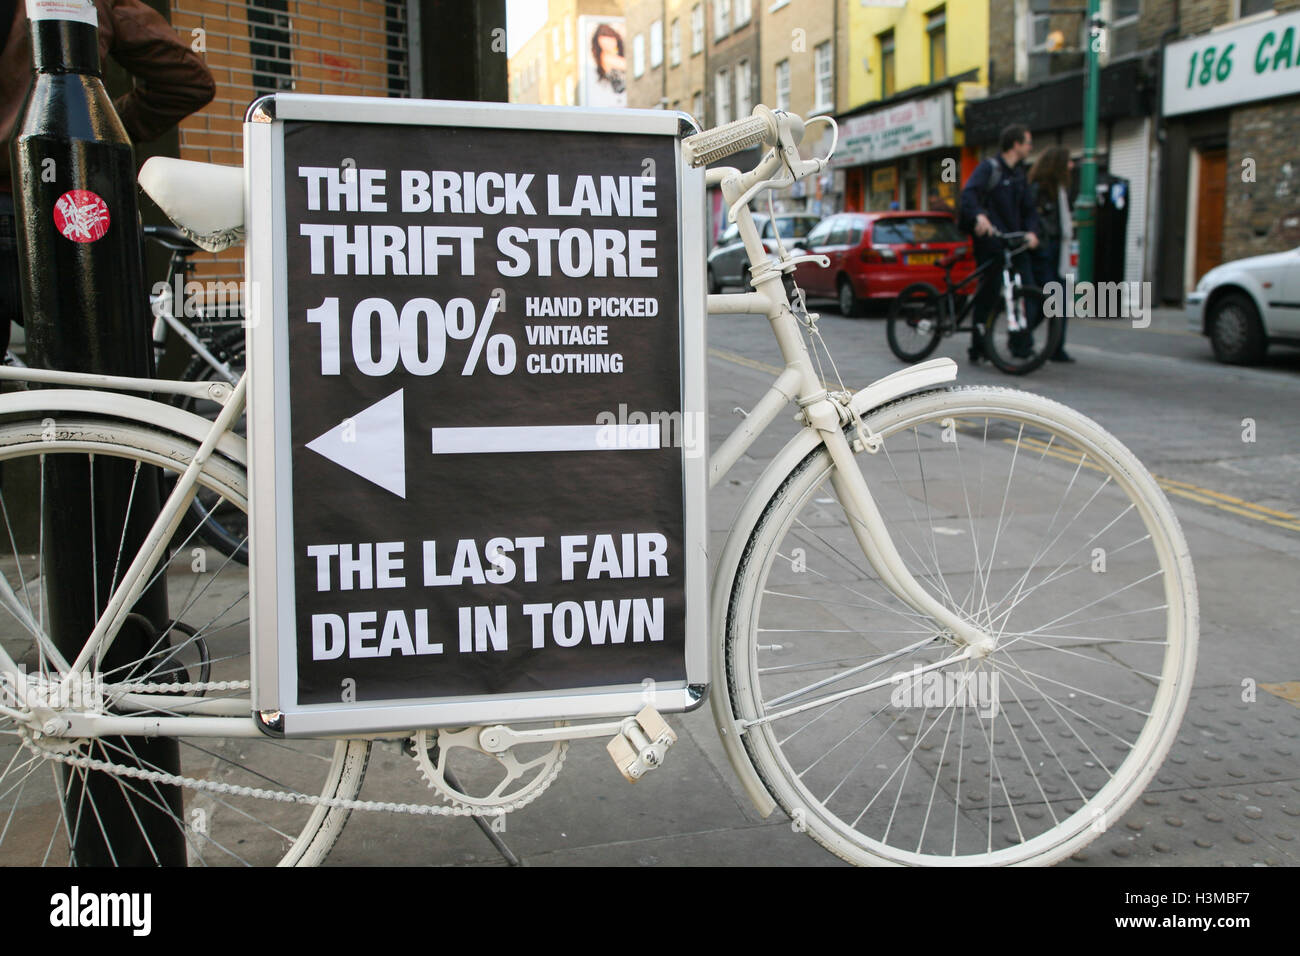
340	47
793	32
1002	44
644	91
1261	216
1157	17
1198	16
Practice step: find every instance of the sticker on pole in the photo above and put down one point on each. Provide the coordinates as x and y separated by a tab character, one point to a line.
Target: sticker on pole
81	215
80	11
489	443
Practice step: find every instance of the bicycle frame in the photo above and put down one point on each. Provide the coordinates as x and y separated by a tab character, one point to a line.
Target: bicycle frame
1010	282
825	418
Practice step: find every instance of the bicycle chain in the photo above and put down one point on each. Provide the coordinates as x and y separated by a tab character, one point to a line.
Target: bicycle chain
533	791
179	688
284	796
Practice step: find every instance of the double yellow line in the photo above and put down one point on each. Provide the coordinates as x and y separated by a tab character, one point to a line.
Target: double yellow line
1172	486
1185	489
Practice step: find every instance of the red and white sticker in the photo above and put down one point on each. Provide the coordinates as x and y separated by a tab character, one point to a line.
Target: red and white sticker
81	215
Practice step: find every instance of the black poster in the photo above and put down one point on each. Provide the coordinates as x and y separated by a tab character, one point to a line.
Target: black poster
486	406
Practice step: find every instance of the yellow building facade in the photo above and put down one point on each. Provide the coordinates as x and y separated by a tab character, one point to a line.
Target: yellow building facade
908	72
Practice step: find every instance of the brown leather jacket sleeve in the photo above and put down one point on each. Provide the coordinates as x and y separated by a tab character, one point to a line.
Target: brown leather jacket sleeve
171	81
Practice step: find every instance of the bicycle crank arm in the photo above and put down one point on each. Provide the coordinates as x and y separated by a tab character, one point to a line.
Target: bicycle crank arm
638	746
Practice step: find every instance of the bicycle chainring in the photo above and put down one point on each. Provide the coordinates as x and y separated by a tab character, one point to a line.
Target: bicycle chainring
484	779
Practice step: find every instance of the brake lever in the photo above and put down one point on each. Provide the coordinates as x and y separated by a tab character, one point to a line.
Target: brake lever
822	261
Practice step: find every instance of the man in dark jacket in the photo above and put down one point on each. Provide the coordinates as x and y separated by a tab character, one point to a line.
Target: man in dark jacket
995	202
171	82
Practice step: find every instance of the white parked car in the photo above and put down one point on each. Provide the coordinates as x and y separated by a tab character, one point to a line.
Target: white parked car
1246	305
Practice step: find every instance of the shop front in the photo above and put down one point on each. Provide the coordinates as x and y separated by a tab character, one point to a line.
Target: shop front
901	156
1231	185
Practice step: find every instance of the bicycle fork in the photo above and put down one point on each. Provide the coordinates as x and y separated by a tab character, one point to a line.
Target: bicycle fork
878	546
1017	321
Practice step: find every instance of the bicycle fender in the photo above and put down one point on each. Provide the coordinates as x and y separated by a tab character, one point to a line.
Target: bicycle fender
903	382
141	411
914	378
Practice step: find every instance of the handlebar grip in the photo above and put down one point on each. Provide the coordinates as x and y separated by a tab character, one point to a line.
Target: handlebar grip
713	144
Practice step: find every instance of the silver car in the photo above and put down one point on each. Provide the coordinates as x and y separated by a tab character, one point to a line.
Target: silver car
728	264
1247	305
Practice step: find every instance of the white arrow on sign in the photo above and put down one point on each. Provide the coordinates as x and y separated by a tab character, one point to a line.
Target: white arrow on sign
371	443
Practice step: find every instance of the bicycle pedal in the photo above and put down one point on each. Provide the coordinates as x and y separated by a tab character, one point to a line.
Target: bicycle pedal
641	744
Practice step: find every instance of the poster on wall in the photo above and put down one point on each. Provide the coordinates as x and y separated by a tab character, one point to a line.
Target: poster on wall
602	52
485	421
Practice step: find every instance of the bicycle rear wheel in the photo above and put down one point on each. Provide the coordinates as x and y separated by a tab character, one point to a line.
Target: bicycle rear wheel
915	323
206	642
220	524
1025	518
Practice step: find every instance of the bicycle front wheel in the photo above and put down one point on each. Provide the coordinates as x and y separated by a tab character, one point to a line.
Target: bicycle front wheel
1020	342
52	801
1028	520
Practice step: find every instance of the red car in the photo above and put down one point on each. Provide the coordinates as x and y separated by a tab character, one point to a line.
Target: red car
875	254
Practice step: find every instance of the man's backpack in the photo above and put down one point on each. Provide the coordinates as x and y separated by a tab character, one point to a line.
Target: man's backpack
966	224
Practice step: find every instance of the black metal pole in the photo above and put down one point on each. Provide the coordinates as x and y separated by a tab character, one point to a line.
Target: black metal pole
86	307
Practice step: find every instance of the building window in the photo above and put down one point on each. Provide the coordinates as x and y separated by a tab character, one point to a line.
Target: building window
783	85
825	77
1121	27
744	84
269	43
721	18
555	42
697	106
557	96
1248	8
743	12
936	26
675	42
568	36
697	28
722	98
886	40
638	54
570	91
656	43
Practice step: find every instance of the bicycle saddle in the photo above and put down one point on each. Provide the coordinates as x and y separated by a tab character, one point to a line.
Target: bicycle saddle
205	200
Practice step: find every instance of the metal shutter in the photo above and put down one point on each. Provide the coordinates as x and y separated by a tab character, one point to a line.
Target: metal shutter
1129	158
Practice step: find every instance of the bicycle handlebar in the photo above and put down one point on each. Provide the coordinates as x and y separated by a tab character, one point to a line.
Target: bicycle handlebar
714	144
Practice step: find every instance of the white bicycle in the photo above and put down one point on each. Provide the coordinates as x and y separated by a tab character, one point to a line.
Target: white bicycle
949	625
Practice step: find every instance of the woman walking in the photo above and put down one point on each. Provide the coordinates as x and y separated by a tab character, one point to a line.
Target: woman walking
1050	181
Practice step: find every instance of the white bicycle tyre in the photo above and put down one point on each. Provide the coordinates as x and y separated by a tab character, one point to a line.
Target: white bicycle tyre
744	680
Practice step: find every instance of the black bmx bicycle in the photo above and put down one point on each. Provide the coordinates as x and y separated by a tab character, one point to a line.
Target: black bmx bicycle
1017	336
